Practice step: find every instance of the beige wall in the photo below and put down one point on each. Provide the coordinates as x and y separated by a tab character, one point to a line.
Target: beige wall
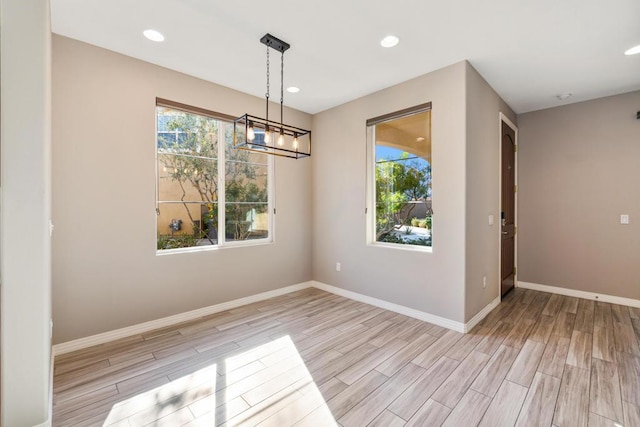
578	170
431	282
106	274
483	191
25	253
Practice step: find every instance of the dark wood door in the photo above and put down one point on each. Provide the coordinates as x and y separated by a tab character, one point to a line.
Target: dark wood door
507	216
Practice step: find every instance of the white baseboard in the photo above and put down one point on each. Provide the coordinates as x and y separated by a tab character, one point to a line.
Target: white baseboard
411	312
141	328
580	294
481	315
44	424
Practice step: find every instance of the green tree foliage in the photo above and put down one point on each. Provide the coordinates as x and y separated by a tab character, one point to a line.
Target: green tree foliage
398	182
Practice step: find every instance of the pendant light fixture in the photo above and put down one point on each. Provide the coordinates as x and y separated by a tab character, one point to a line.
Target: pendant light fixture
267	136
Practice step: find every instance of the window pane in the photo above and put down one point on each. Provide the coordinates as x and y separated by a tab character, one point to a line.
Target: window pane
403	180
183	225
246	193
187	179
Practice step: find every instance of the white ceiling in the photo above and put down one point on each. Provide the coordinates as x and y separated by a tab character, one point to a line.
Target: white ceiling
528	51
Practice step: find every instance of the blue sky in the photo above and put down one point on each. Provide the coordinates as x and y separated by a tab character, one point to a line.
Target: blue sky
390	153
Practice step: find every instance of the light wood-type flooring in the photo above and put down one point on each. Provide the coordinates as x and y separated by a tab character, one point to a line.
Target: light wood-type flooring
311	358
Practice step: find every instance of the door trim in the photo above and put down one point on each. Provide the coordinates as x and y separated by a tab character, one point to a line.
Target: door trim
505	119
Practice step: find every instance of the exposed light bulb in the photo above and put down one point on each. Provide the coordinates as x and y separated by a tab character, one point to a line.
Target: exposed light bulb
295	141
251	134
267	134
281	138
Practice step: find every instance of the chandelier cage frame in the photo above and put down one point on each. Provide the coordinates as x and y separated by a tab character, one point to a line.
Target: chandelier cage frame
261	135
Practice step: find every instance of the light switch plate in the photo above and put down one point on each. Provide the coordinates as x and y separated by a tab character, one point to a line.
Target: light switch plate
490	219
624	219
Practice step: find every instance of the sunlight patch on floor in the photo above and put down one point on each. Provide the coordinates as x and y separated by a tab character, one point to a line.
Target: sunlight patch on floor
267	384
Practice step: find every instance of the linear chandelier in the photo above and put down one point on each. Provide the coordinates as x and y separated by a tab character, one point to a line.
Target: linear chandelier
267	136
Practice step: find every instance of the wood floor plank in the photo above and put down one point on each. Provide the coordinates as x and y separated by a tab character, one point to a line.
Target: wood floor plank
602	315
353	394
367	410
621	314
572	408
538	406
454	387
629	373
398	360
564	324
580	350
584	317
524	367
418	393
555	356
431	413
519	334
492	341
490	378
321	416
469	411
603	344
553	305
599	421
505	406
570	305
543	328
360	368
436	350
631	414
604	394
625	338
387	419
467	343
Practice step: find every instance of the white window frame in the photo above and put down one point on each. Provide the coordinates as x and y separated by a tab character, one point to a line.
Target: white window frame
370	197
221	159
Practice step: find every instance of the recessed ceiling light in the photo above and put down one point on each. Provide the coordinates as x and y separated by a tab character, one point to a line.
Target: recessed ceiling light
389	41
293	89
564	96
633	51
153	35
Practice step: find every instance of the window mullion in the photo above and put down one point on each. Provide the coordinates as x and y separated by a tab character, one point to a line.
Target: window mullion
222	145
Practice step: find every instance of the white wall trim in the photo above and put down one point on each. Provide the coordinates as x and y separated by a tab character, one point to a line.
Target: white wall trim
580	294
140	328
411	312
44	424
481	315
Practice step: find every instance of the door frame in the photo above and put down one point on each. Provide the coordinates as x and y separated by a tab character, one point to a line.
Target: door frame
505	119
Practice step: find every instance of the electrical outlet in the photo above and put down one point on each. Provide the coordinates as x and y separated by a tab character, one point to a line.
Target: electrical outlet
624	219
338	266
484	282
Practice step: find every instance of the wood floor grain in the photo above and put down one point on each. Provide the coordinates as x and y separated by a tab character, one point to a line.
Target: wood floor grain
311	358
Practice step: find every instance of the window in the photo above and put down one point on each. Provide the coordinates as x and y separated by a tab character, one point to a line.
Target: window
208	193
399	178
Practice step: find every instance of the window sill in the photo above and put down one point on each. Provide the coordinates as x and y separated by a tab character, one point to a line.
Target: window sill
210	248
410	248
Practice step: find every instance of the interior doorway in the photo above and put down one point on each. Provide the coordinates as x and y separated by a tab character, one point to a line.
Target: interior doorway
509	188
